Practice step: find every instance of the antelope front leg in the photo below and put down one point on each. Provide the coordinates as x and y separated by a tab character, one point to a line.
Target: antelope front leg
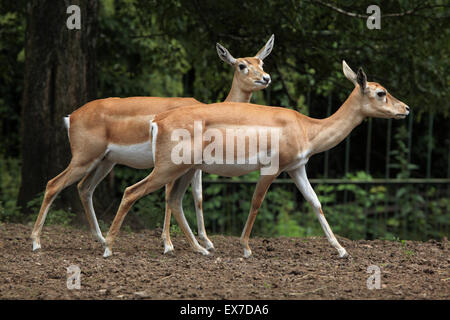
196	184
302	182
262	186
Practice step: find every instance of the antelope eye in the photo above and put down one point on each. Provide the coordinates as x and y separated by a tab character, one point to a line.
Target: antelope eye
381	94
242	66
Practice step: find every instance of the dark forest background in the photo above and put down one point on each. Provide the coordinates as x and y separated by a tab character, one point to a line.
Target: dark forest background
167	48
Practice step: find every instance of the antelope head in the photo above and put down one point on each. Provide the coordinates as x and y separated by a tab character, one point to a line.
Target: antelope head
249	71
376	101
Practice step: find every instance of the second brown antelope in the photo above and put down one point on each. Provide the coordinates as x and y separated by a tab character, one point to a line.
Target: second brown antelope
294	138
111	131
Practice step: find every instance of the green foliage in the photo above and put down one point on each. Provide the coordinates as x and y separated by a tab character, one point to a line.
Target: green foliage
414	206
166	48
134	62
104	227
277	215
149	209
54	217
176	230
400	155
346	206
12	27
9	189
289	227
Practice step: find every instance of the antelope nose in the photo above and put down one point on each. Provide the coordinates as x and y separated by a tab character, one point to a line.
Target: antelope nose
266	78
407	109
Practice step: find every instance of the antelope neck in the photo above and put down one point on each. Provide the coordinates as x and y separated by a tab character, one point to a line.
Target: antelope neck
330	131
236	94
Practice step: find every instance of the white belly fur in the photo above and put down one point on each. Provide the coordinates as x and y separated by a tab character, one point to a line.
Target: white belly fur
139	156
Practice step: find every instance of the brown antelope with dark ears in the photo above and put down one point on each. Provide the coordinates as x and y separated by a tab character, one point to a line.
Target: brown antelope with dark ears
111	131
295	139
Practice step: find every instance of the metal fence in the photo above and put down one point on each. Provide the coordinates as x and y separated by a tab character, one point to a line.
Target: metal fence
415	209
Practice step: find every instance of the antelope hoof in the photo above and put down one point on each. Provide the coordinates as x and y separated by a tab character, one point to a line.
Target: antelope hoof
343	253
209	246
168	248
203	251
247	253
207	243
36	244
107	253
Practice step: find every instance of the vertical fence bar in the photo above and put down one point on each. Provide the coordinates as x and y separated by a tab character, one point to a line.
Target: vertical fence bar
233	210
416	224
347	154
447	192
229	215
226	223
368	149
435	215
428	172
346	168
388	148
214	221
430	144
410	132
388	151
346	165
368	144
448	162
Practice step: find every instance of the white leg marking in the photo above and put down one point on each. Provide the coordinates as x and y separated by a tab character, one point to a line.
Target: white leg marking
247	253
196	184
67	125
168	247
153	134
107	252
88	190
176	204
36	244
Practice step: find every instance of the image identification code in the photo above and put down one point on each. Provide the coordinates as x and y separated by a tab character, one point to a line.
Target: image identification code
228	309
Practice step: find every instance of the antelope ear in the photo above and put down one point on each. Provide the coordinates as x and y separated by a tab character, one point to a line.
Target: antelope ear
348	72
267	49
361	79
224	54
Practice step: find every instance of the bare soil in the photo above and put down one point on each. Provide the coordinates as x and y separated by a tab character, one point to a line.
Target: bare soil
280	268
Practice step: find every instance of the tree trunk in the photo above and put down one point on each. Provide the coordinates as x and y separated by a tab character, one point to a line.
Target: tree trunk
60	77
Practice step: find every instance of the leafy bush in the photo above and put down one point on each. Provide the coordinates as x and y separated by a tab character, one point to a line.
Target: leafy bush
54	217
9	189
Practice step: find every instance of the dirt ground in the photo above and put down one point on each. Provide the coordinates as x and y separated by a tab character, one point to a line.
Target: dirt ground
280	268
